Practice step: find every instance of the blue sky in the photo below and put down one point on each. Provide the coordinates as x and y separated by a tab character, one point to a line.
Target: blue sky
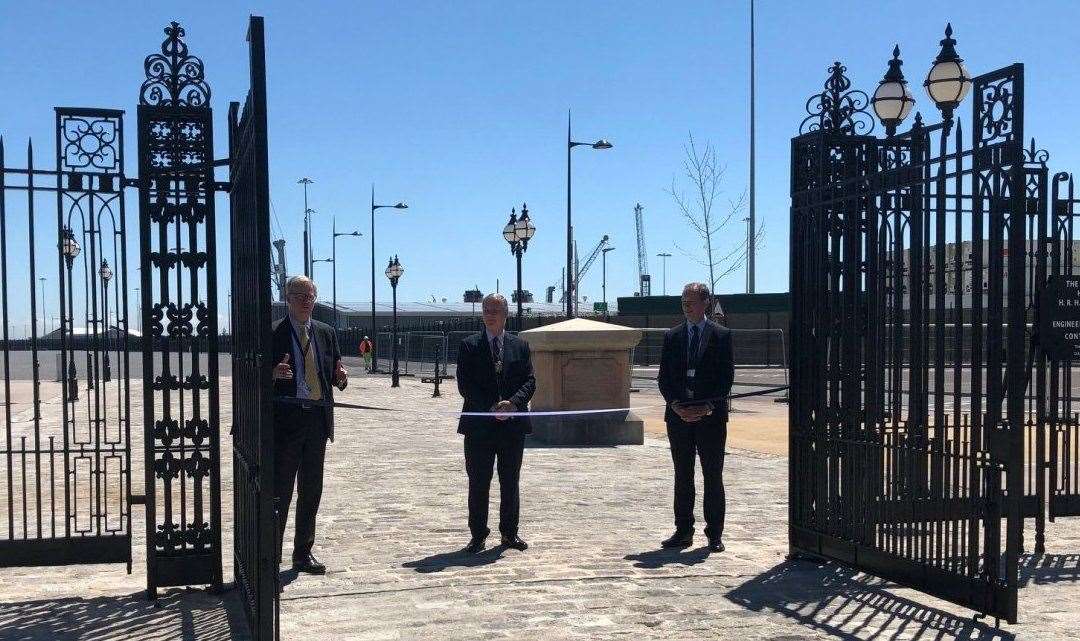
460	108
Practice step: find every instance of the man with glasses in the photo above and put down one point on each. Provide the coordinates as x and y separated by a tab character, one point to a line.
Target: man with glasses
697	369
307	366
494	374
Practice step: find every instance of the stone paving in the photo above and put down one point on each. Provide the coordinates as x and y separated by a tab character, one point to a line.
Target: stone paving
392	523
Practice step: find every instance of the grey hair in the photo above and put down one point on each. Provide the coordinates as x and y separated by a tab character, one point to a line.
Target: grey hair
299	280
701	289
497	298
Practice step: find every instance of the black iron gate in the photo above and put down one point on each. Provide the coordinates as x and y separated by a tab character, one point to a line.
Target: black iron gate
907	416
66	455
255	550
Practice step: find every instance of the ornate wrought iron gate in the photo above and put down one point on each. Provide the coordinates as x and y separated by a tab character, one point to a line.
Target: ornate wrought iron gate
66	471
255	548
907	416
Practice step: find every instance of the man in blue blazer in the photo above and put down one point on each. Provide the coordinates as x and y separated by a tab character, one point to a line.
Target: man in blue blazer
697	369
494	374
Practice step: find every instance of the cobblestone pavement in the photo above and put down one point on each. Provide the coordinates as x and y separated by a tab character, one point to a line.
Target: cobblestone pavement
392	523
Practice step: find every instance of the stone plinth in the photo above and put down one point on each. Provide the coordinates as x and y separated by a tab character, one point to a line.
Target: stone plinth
583	364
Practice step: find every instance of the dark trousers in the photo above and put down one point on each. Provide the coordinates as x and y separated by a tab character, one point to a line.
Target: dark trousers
706	441
299	450
482	449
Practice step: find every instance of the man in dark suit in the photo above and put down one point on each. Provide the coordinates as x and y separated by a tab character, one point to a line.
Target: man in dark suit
494	374
307	360
696	372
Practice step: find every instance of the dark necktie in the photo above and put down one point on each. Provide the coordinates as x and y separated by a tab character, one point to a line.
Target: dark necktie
496	354
692	353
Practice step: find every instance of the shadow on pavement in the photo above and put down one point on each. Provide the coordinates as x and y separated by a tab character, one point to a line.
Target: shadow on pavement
848	605
458	558
188	615
659	558
1049	568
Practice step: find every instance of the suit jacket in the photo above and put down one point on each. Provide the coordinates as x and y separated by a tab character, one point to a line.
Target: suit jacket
715	371
327	355
481	387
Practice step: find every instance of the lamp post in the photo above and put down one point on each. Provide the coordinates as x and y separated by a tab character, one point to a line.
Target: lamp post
571	283
305	181
394	270
517	233
664	256
106	274
374	331
70	249
603	277
44	330
333	259
892	100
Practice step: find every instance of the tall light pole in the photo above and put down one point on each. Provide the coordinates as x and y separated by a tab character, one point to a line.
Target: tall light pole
517	233
750	263
603	278
749	255
664	256
571	284
394	271
305	181
333	259
70	249
374	331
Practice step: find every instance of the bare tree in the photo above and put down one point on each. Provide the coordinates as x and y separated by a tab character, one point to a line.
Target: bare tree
704	177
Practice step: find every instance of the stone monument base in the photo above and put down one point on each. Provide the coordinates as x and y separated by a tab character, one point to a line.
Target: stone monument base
590	430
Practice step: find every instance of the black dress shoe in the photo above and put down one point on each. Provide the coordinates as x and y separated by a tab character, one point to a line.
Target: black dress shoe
475	546
716	545
515	542
681	539
309	565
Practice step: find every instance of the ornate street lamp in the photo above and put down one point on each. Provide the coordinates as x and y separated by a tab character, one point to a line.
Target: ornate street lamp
394	271
374	330
69	247
106	274
517	233
893	101
948	81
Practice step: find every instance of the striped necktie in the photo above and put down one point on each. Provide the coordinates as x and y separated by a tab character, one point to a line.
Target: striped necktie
311	371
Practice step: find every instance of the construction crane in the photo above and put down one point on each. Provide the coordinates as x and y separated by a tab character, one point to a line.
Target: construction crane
584	269
279	273
644	280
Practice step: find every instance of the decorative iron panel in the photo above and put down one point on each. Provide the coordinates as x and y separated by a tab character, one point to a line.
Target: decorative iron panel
180	350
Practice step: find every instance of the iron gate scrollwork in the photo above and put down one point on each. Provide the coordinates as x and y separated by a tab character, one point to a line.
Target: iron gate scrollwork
907	416
180	349
255	542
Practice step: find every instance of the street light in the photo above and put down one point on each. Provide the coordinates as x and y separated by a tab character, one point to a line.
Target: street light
948	81
664	256
603	278
106	274
893	101
333	259
43	328
305	181
394	271
70	248
517	233
570	284
400	205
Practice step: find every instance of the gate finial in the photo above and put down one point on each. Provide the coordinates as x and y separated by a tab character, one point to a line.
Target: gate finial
838	108
174	78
